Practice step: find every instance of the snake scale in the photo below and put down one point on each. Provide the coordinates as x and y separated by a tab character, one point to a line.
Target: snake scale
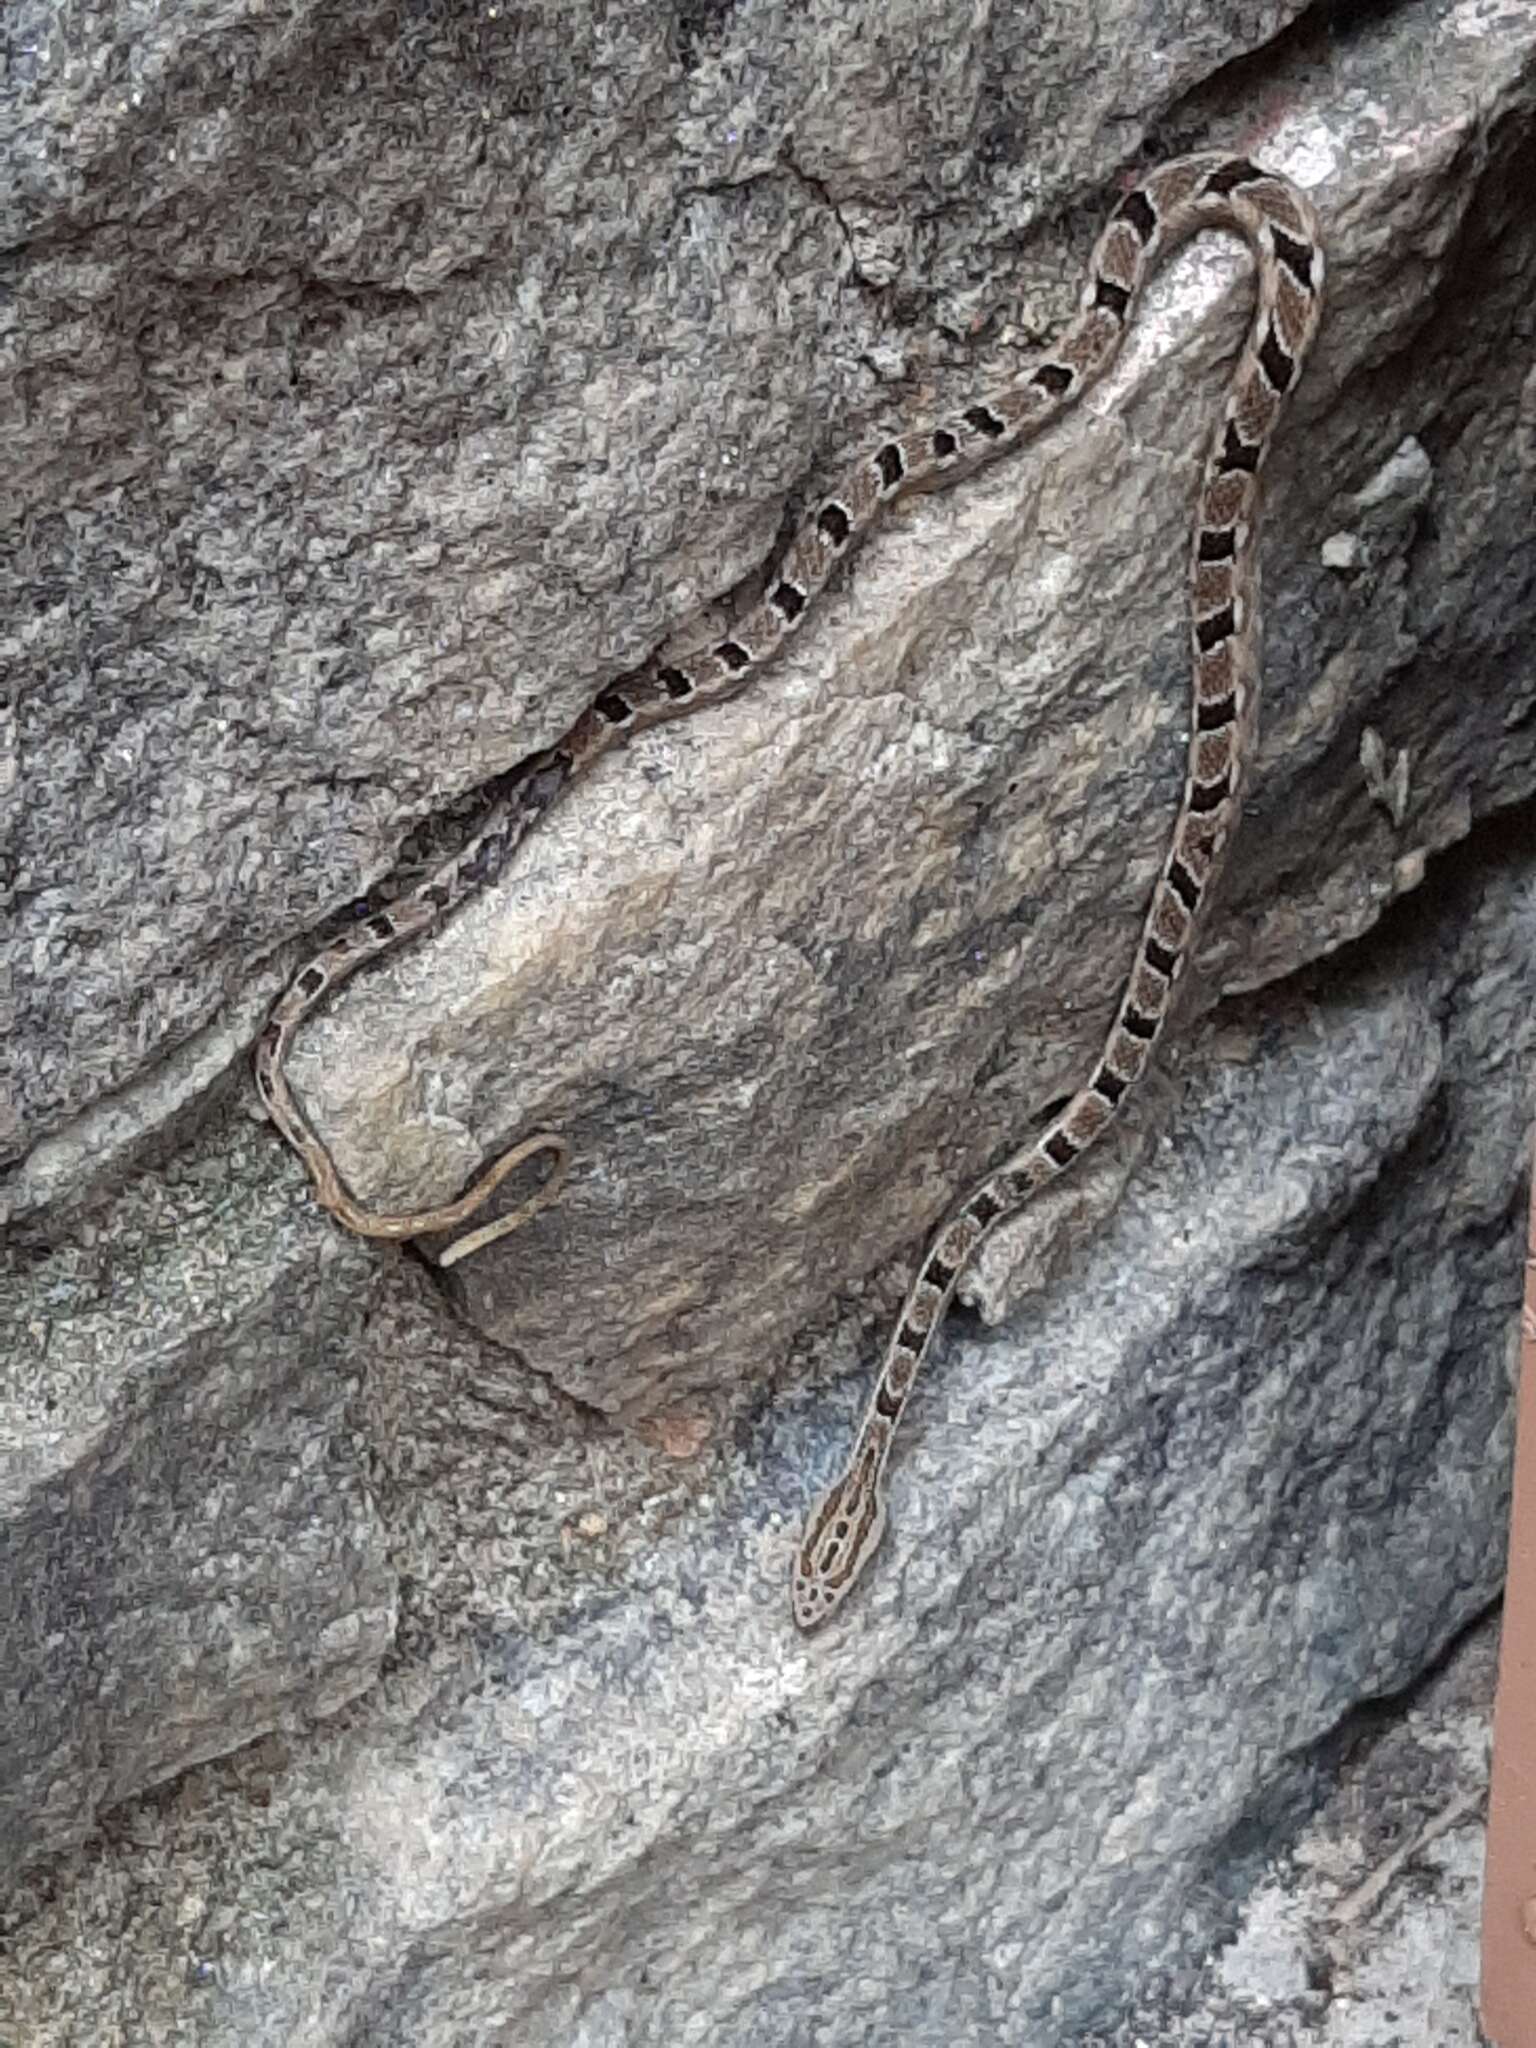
1171	203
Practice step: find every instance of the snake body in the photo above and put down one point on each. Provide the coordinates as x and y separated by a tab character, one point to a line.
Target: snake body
844	1526
1170	204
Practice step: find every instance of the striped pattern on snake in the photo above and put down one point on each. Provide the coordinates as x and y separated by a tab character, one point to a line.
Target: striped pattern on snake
844	1526
1170	204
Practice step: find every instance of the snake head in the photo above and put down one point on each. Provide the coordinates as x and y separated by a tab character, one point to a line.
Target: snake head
842	1532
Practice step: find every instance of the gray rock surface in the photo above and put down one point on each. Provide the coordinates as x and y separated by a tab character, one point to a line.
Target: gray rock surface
1366	1933
390	382
1239	1469
191	1554
392	377
752	968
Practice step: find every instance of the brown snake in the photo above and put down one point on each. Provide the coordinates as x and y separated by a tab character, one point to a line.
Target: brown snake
1171	203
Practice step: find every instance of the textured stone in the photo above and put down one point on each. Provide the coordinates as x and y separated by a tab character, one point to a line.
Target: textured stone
1240	1468
1366	1934
814	921
190	1554
393	377
737	992
392	381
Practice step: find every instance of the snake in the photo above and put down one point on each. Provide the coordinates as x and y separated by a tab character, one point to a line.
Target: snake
1163	209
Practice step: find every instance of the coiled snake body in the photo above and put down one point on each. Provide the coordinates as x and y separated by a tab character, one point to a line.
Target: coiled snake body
845	1524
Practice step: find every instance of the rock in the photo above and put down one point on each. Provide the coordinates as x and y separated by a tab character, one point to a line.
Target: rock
1367	1932
1240	1468
389	394
191	1554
